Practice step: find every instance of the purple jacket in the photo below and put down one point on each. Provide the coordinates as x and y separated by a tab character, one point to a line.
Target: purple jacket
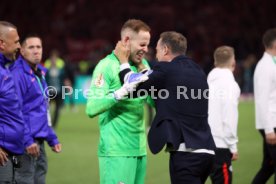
11	119
34	102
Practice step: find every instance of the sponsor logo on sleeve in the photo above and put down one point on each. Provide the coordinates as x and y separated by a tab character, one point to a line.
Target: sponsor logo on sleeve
99	81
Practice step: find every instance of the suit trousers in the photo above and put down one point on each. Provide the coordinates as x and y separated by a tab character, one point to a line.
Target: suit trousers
33	170
268	167
188	167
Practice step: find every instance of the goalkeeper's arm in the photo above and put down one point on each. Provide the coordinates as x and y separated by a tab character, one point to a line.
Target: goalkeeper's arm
99	97
155	78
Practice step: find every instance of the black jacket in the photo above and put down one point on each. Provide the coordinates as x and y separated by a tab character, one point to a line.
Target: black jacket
182	116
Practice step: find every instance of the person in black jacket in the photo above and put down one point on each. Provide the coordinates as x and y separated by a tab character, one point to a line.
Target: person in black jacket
180	91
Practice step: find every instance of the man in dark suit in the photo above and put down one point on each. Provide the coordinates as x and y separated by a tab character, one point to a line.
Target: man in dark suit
180	91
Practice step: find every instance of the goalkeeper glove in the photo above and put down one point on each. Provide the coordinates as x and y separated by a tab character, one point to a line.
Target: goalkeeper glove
131	81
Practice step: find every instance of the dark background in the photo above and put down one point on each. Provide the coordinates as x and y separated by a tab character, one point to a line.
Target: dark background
86	30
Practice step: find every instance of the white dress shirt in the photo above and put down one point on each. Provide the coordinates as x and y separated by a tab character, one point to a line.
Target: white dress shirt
265	93
224	95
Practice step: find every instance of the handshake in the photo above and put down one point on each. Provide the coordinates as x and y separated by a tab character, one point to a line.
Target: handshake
131	81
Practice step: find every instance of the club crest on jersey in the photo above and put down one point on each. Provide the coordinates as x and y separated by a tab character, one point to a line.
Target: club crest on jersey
99	81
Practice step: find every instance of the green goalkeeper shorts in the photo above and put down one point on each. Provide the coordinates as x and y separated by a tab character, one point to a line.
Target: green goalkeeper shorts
122	170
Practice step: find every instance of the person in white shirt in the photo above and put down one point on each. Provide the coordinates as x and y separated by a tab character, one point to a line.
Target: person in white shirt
223	102
265	106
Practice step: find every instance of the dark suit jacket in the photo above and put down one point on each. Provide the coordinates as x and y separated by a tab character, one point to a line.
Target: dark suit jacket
181	117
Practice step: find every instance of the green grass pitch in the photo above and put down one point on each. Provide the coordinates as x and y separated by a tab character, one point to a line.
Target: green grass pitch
78	163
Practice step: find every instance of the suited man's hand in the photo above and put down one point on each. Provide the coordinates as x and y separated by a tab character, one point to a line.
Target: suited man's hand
122	51
141	67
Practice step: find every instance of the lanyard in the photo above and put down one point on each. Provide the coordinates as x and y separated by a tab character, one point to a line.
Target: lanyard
46	99
41	87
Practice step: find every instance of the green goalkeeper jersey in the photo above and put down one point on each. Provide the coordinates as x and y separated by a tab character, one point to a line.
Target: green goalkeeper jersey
122	127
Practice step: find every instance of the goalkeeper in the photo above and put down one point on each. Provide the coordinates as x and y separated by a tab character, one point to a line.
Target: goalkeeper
122	143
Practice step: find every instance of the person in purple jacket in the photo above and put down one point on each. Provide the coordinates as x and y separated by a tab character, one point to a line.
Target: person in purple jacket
11	119
29	77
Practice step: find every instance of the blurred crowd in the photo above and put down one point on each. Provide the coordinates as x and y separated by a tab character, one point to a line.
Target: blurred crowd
86	30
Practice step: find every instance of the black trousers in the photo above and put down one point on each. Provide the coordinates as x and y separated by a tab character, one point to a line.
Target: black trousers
186	167
222	170
268	167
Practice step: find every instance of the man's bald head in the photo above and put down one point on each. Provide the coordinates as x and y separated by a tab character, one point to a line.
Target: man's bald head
5	27
9	40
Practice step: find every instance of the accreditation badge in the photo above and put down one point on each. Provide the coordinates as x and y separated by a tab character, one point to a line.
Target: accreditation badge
49	119
99	81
